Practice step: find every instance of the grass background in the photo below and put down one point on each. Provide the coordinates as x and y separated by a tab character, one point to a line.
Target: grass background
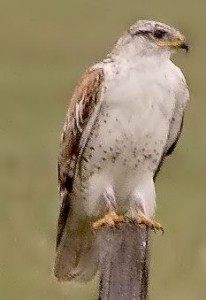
45	46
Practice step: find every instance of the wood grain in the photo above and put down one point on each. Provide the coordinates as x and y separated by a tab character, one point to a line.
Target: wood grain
124	262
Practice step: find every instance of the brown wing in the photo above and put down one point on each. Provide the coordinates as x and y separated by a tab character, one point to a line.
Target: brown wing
84	101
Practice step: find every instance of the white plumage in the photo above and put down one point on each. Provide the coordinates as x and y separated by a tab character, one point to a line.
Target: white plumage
135	116
134	124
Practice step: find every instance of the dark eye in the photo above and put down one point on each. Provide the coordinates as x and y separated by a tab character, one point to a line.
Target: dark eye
158	34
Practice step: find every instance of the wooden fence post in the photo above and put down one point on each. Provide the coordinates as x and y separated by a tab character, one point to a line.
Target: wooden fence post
124	262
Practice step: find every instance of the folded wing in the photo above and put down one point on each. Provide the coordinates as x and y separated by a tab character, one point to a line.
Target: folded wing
84	102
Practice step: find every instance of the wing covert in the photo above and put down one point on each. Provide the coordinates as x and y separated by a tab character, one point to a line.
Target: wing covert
84	101
176	123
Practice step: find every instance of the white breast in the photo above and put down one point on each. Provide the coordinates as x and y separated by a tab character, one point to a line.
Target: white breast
130	133
140	87
142	100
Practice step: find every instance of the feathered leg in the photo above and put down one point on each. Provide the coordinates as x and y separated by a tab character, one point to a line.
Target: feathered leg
111	217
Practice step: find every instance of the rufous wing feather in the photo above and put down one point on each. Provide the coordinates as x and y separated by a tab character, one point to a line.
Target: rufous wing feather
85	99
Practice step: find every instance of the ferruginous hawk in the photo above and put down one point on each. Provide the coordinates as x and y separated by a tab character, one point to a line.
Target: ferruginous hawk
125	116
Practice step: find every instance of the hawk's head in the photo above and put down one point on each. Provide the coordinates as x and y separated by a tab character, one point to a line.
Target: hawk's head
151	37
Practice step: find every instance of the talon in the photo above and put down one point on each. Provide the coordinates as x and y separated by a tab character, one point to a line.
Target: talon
153	228
109	219
152	224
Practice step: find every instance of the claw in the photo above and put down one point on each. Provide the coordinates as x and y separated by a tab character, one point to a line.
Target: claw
142	219
109	219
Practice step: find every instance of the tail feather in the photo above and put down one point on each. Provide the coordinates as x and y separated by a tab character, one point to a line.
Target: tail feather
77	255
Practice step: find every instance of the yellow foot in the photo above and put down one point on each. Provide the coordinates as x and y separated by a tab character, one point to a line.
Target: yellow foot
142	219
109	219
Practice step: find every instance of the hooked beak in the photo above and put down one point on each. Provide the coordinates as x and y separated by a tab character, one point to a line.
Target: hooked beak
179	41
184	45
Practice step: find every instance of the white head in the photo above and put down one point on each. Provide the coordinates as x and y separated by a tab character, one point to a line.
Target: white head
149	38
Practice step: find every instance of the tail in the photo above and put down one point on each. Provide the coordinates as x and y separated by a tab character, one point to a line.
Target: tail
77	254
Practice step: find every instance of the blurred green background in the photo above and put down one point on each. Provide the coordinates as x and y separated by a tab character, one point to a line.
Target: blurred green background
45	46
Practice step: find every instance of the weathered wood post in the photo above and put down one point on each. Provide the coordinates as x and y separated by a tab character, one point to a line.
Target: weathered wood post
124	262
